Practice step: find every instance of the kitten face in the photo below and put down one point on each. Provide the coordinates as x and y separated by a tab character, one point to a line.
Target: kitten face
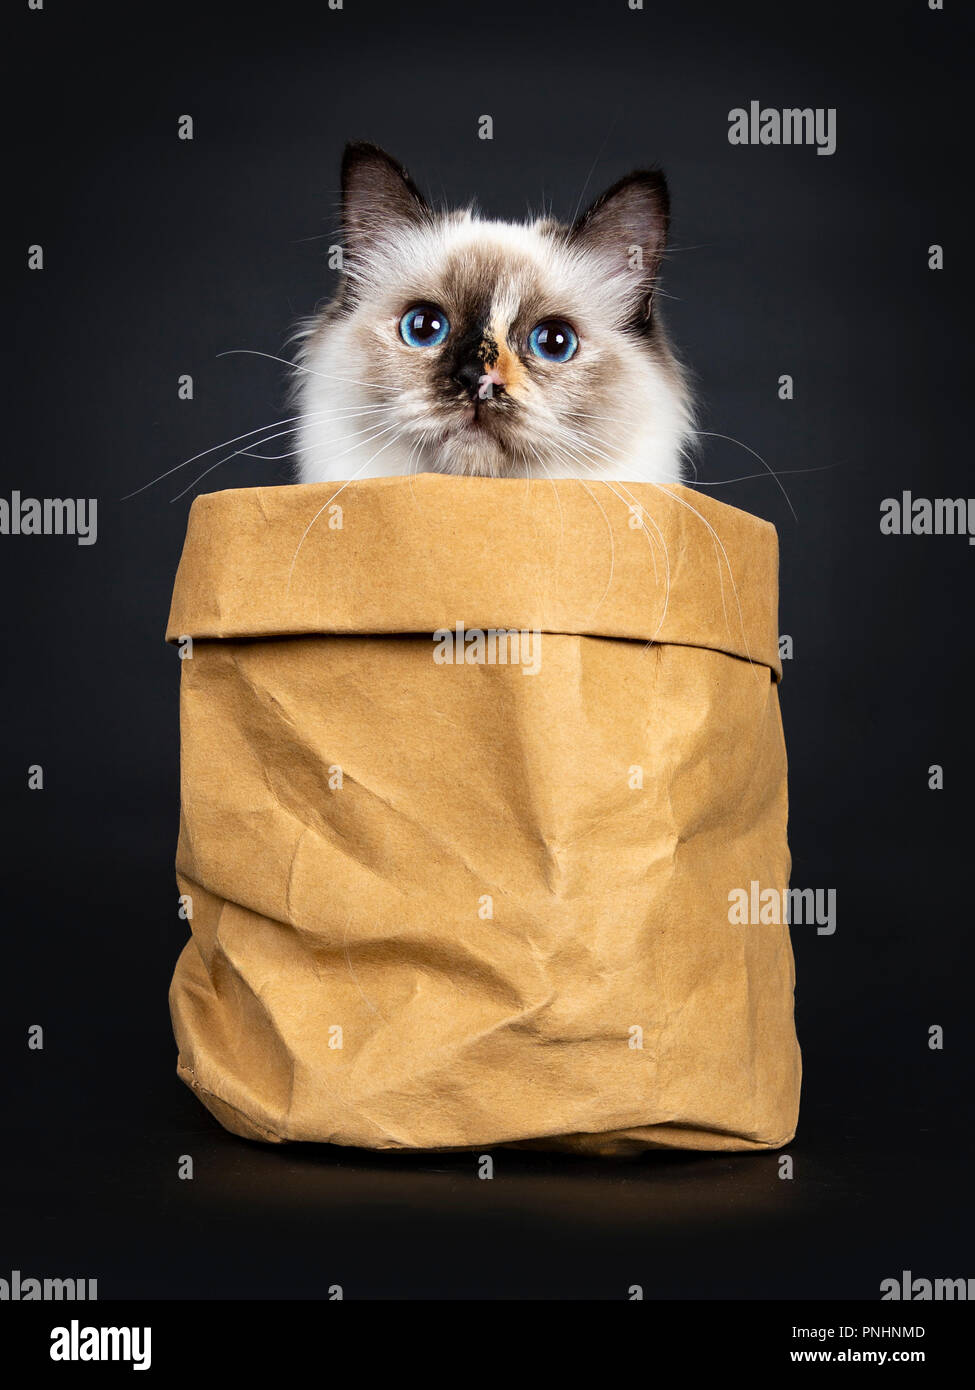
461	345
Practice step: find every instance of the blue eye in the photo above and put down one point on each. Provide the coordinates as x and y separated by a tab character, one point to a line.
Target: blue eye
553	340
424	326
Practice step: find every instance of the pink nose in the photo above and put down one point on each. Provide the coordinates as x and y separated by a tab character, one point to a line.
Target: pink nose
488	383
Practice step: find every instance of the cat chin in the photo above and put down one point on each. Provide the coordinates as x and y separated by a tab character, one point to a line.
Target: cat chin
473	453
653	462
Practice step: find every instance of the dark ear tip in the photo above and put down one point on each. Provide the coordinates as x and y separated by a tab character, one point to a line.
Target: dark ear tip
651	181
356	154
362	157
373	179
363	149
655	180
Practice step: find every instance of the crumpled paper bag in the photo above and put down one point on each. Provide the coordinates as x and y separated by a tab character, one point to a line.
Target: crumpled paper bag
439	901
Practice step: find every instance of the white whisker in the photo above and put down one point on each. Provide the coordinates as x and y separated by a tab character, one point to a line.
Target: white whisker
294	558
712	435
238	452
288	420
300	367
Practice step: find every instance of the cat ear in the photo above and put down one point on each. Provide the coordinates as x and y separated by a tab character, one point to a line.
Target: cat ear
625	231
378	199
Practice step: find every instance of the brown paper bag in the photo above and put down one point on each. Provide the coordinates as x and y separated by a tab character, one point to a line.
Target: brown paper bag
455	890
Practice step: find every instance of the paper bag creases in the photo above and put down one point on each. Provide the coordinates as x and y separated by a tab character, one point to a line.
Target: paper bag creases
471	771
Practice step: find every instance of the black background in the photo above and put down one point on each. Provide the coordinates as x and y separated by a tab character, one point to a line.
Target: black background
161	254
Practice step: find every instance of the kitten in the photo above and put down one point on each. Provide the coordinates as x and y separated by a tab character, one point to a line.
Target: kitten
461	345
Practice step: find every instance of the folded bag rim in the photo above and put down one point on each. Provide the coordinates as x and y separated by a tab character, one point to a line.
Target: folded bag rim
635	561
